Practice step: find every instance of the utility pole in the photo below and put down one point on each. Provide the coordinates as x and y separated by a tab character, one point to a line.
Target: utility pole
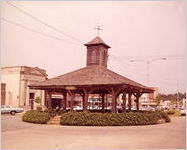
178	92
178	100
148	62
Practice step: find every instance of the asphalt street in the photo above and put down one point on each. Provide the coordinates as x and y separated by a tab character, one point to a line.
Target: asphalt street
162	136
11	123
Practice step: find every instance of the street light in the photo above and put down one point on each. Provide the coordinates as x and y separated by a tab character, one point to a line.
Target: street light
148	61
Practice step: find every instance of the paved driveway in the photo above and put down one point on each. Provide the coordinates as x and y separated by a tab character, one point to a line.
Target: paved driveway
169	135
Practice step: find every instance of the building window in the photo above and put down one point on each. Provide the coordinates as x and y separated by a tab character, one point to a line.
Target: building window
31	98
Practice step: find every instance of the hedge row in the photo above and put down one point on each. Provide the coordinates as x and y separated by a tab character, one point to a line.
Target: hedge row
112	119
35	116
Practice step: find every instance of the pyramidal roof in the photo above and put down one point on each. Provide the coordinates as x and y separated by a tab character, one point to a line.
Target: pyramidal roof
91	75
96	41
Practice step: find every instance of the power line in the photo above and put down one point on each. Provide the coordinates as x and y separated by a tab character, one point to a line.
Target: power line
176	56
128	66
129	72
162	80
124	62
42	22
38	32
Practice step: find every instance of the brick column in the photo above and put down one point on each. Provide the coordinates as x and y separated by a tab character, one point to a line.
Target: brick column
137	95
72	96
137	103
113	103
103	102
64	101
49	100
85	103
82	95
129	100
124	102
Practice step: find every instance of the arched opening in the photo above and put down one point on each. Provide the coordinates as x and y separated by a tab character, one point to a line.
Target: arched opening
93	57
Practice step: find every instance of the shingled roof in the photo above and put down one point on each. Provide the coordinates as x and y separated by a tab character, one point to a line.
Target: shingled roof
97	40
90	75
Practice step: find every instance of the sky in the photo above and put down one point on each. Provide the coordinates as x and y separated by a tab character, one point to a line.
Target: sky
50	35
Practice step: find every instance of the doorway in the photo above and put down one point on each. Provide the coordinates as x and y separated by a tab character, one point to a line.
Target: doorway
31	100
56	103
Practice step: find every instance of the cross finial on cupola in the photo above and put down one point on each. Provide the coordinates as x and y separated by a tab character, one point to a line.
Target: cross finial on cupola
98	28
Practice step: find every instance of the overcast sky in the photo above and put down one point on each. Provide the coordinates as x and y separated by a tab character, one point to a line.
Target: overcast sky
135	30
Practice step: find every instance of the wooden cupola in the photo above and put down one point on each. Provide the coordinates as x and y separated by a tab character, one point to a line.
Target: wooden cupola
97	52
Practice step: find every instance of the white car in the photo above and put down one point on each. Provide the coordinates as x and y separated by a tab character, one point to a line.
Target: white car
77	108
183	112
10	109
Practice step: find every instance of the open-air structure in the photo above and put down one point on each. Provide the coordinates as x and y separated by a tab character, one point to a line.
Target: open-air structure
95	78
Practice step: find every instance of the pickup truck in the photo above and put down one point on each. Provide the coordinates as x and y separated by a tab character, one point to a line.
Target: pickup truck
10	109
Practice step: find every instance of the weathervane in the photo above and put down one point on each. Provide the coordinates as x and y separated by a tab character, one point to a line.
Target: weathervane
98	29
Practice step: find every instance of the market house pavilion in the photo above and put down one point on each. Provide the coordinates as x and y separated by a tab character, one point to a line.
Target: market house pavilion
95	78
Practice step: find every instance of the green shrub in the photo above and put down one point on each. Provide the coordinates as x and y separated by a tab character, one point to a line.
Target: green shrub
38	100
35	116
164	115
112	119
51	112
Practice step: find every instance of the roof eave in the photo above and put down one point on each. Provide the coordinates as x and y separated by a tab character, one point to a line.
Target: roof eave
87	44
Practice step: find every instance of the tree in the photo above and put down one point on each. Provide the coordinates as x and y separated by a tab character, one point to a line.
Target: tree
38	100
173	100
158	99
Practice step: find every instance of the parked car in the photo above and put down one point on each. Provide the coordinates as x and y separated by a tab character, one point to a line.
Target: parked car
150	108
10	109
183	111
109	108
77	108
